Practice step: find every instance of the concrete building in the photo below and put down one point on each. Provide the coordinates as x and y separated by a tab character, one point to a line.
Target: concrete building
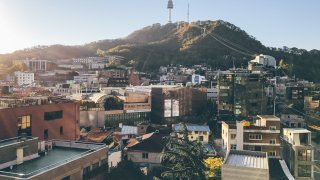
263	136
245	165
36	64
46	118
212	93
24	78
27	158
298	152
264	60
171	102
196	132
197	79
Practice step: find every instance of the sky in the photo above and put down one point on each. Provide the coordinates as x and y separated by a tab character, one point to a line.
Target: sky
276	23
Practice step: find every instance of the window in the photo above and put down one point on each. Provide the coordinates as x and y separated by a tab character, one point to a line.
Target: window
255	136
272	153
201	138
145	155
86	170
233	136
95	166
304	170
24	125
53	115
45	134
233	146
272	141
304	155
272	127
61	130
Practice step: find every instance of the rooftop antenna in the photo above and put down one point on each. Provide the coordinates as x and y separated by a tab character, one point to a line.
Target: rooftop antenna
188	13
170	7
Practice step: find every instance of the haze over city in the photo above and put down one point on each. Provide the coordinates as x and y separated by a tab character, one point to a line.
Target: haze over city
43	22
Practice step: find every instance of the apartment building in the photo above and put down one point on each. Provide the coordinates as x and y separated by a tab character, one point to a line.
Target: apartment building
24	78
263	136
298	152
36	64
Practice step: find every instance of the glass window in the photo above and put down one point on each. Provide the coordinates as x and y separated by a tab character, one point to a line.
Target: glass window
233	136
201	138
272	153
304	170
145	155
304	155
255	136
233	146
272	141
24	125
53	115
272	127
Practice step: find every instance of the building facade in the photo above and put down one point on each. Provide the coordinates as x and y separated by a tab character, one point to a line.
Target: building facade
298	152
24	78
46	121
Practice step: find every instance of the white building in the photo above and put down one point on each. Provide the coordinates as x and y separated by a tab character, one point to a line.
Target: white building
97	65
197	79
36	65
24	78
86	78
71	66
265	60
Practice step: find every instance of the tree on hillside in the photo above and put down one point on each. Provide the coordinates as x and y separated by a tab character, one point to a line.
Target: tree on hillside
183	159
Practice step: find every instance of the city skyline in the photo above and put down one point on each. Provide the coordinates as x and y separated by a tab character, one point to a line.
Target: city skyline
30	23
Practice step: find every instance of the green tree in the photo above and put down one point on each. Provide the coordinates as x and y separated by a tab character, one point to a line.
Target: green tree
126	170
113	103
183	159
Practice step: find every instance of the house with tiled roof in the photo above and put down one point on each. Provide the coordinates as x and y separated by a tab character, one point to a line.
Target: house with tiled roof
146	150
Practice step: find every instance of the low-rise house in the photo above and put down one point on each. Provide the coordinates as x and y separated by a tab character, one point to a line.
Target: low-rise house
146	150
195	132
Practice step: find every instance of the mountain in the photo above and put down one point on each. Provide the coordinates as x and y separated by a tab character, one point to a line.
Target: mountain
216	43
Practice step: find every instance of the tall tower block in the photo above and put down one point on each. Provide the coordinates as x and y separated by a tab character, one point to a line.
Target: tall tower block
170	7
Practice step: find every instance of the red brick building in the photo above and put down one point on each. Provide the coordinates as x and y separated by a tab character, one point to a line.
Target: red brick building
45	121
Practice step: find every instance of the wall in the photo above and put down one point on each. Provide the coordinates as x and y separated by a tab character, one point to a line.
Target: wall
69	121
136	157
241	173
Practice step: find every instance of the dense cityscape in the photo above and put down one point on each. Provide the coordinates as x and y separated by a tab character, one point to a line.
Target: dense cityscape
109	116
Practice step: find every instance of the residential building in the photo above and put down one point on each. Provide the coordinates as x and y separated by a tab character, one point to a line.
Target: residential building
293	121
24	78
241	93
263	136
245	165
264	60
298	152
195	132
43	117
197	79
27	158
212	93
146	151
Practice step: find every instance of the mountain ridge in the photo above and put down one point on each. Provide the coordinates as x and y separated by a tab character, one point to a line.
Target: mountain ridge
182	43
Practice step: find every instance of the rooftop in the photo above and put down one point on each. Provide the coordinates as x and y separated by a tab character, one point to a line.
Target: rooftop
249	159
61	153
191	127
269	117
296	130
15	140
57	156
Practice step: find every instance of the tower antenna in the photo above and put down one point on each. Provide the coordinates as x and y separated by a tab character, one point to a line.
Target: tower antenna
170	7
188	14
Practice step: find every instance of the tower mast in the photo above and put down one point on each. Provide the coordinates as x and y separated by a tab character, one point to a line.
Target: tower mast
170	7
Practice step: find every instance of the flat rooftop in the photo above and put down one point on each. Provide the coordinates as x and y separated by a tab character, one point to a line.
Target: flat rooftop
62	152
54	158
15	140
297	130
247	159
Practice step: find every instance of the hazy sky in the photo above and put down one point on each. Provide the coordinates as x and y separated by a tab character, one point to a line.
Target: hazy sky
276	23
